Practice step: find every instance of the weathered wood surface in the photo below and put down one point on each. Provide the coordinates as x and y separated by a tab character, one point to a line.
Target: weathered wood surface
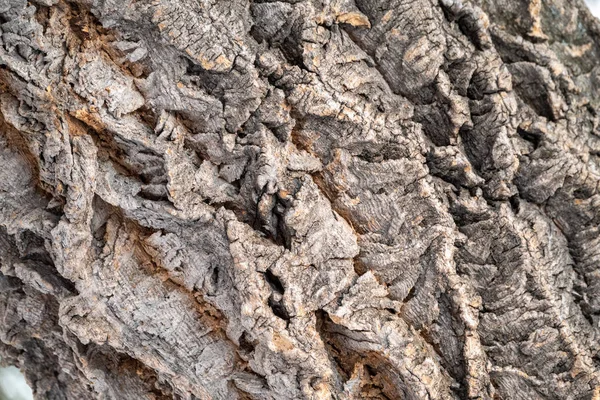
301	199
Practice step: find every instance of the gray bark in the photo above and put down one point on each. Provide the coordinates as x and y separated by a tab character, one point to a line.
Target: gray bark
301	199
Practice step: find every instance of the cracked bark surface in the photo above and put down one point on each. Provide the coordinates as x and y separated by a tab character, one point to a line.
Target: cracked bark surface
300	199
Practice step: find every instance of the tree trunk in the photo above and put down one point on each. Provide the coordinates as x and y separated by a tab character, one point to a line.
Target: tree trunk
300	199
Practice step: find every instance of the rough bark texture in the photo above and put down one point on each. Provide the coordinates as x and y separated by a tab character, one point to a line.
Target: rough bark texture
301	199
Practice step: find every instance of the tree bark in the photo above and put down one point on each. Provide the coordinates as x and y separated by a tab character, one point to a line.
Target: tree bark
300	199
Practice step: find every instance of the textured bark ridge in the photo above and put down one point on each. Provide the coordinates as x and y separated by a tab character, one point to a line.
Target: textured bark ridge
300	199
